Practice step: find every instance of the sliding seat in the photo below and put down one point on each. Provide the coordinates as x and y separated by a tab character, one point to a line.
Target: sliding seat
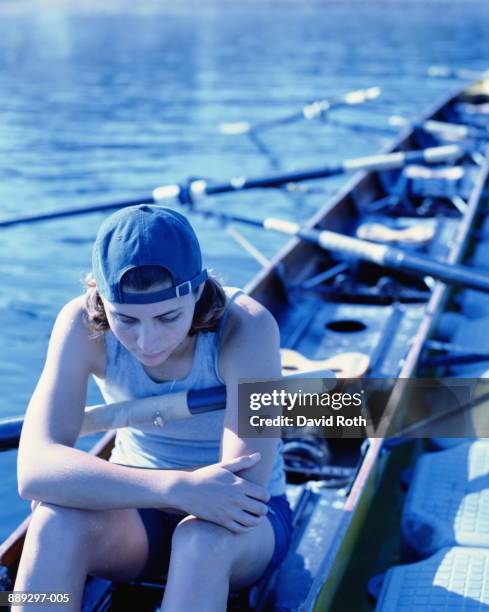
455	578
448	500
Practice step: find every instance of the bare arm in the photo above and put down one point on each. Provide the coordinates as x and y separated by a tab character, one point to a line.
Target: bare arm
49	469
251	349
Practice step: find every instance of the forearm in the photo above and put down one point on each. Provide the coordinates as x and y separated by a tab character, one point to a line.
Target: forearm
70	477
234	446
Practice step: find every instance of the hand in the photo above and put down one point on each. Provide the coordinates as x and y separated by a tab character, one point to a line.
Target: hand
215	493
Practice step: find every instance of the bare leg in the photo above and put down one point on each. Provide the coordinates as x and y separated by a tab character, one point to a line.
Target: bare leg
64	544
206	559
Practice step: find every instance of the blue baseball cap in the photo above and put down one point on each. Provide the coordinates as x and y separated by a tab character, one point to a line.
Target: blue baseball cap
146	235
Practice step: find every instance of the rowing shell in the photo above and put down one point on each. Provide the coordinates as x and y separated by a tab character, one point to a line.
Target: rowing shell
330	520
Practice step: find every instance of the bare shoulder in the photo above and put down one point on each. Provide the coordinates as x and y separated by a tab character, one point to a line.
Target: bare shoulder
248	317
250	341
71	330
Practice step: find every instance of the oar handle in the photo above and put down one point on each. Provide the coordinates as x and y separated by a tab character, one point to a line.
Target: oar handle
400	260
384	255
10	429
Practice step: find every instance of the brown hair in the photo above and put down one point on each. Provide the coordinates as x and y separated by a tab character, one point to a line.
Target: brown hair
208	310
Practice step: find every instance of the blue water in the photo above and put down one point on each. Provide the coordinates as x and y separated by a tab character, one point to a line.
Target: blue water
106	104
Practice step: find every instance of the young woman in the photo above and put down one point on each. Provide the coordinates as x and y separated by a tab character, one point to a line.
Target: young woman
212	509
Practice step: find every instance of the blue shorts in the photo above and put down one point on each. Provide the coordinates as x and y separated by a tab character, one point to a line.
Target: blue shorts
160	524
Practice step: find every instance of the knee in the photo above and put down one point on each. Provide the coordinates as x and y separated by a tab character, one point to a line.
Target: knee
51	522
198	539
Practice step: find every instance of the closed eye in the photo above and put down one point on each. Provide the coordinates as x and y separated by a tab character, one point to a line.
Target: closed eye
126	320
166	319
131	320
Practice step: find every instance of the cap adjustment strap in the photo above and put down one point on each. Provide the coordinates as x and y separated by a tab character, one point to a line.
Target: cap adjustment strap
183	288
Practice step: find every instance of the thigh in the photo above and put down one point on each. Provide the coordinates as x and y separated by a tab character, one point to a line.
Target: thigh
120	546
111	543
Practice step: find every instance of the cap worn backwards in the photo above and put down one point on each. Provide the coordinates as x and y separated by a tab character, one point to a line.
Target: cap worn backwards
146	235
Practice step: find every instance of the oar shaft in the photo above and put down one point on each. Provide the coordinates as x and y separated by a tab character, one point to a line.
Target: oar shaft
442	129
448	360
388	161
456	73
312	110
187	194
122	414
453	130
156	410
458	276
72	212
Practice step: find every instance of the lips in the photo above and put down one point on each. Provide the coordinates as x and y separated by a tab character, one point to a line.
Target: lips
152	355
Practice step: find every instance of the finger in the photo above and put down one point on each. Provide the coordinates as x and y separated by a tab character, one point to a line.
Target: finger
255	507
248	520
256	491
233	526
237	528
241	463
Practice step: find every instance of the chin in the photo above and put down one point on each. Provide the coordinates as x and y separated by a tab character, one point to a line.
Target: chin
153	360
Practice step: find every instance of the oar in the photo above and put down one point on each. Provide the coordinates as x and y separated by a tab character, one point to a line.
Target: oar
194	190
313	110
175	406
103	417
318	109
442	129
445	129
156	410
419	429
444	72
456	354
379	254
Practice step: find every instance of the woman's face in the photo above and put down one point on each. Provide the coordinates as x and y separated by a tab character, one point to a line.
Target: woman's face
152	332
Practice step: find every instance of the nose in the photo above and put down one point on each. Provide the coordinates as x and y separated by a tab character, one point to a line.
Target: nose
148	341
